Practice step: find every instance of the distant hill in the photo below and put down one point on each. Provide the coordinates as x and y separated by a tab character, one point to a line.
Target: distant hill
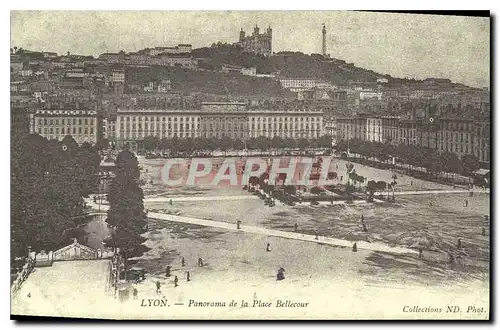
291	64
208	81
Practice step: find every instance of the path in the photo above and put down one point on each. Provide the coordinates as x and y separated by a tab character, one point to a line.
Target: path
200	198
430	192
250	196
378	247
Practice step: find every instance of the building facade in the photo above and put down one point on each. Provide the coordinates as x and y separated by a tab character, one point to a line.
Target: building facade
217	119
374	129
482	132
457	135
82	125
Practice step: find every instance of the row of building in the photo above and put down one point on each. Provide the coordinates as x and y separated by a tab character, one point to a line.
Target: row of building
214	119
237	120
457	135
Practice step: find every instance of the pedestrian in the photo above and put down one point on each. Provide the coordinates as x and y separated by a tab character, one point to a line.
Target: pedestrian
451	259
183	262
170	201
158	287
167	271
200	262
134	292
238	224
280	275
354	247
176	282
420	252
268	247
316	236
364	228
459	244
295	227
188	277
362	218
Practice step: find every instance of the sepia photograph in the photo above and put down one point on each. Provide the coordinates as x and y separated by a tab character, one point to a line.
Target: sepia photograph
250	165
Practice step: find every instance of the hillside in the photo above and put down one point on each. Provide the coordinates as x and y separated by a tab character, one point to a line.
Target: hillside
208	81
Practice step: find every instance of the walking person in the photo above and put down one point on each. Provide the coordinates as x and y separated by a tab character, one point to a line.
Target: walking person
281	274
420	252
176	281
268	247
200	262
238	224
354	247
188	278
295	227
170	201
451	259
158	287
134	292
167	271
183	262
316	238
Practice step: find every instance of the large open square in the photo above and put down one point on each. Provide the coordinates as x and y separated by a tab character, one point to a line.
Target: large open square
236	261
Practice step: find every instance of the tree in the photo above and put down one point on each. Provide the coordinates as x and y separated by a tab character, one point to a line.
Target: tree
470	164
238	144
102	144
48	181
126	208
151	143
224	144
325	141
277	142
341	146
263	143
163	144
303	143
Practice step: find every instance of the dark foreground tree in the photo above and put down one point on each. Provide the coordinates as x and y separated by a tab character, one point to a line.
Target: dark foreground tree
126	208
48	181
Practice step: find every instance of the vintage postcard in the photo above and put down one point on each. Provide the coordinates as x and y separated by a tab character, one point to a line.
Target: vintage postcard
243	165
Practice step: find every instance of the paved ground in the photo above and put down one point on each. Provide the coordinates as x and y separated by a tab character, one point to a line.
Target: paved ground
379	247
66	288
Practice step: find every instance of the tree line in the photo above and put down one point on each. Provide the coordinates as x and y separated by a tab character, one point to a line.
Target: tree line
414	157
199	144
49	180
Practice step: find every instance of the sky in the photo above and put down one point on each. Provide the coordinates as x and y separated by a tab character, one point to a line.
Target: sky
402	45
